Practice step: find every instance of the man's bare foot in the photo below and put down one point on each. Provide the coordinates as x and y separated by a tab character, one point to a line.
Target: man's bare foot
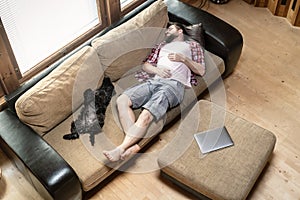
131	150
114	155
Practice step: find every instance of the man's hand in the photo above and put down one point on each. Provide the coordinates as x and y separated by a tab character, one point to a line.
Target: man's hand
177	57
197	68
162	72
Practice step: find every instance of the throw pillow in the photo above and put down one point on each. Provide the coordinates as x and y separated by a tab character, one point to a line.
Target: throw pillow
52	99
196	32
127	45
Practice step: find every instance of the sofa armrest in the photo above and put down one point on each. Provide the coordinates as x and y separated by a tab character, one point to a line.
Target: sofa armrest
220	37
37	160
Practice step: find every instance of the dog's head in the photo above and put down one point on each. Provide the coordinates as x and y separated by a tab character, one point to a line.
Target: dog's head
89	96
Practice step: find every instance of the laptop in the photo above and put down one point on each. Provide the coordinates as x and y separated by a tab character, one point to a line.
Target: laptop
214	139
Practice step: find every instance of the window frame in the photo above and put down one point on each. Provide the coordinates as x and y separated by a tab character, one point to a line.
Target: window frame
133	4
70	46
109	11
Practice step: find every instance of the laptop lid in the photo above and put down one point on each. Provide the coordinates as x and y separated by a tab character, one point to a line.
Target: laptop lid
214	139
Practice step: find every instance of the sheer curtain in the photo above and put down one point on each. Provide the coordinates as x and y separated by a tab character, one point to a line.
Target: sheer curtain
38	28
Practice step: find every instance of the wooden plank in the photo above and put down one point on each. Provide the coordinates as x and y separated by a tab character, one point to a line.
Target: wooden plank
272	5
249	1
293	15
12	184
261	3
9	70
282	8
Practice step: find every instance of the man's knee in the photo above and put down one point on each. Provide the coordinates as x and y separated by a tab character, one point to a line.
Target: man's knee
123	100
145	118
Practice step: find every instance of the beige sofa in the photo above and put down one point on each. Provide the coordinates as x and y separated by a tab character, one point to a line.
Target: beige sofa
51	105
46	106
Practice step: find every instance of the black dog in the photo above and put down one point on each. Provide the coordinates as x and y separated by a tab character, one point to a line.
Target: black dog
92	114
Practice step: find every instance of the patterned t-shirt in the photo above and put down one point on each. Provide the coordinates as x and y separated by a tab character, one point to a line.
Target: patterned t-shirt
197	54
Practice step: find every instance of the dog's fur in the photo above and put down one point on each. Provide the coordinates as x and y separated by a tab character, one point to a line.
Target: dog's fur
92	114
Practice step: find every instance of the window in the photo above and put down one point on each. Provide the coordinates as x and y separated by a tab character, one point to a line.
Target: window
128	5
125	3
35	32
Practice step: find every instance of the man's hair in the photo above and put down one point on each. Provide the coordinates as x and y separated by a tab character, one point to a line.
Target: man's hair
178	26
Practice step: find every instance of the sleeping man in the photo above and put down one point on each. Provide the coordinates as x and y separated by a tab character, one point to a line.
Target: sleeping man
172	63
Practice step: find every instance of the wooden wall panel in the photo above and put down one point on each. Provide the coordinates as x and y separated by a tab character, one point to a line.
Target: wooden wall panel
9	70
293	13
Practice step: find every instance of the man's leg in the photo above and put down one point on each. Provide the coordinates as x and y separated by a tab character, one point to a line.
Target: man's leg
132	136
126	115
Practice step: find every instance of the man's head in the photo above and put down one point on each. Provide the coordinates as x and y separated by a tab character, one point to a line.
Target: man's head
175	31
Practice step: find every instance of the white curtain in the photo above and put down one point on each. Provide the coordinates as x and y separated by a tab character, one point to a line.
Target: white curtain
38	28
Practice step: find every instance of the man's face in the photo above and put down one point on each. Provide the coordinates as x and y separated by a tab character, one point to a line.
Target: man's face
171	33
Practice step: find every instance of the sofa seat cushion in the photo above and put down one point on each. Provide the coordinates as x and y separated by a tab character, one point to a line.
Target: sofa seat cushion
89	170
127	45
88	161
50	101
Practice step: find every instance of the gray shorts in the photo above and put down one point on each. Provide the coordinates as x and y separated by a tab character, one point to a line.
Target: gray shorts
156	95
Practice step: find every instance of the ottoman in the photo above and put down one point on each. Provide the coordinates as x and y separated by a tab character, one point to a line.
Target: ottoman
228	173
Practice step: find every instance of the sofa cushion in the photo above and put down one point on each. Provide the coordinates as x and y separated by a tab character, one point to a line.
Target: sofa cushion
127	45
89	170
88	161
50	101
196	32
229	173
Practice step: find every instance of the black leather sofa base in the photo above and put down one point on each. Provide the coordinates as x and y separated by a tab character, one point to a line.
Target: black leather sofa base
51	176
48	172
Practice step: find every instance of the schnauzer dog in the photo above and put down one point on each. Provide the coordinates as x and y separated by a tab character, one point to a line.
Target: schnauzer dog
92	114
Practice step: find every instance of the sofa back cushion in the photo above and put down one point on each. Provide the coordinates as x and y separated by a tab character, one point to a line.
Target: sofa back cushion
51	100
127	45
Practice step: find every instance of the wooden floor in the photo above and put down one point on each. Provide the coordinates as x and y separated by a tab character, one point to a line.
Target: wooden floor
264	89
12	184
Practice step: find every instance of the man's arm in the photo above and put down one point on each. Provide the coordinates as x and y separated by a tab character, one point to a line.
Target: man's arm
162	72
197	68
149	65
